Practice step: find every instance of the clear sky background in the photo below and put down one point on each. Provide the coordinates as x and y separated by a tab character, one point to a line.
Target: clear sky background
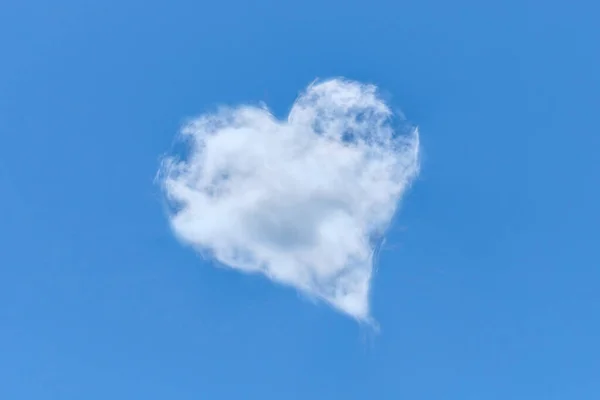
487	287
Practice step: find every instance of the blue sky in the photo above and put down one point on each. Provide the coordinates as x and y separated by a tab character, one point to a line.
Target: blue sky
488	286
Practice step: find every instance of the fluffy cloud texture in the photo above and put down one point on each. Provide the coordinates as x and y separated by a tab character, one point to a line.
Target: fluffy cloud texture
303	201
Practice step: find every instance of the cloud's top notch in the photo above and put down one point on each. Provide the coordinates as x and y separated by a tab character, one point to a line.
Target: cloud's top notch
303	201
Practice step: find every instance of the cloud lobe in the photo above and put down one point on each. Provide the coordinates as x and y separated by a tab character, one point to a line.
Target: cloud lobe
303	201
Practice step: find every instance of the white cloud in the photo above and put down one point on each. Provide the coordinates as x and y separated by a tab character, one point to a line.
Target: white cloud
303	201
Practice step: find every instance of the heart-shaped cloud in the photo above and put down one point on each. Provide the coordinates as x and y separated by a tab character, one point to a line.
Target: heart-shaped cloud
303	201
